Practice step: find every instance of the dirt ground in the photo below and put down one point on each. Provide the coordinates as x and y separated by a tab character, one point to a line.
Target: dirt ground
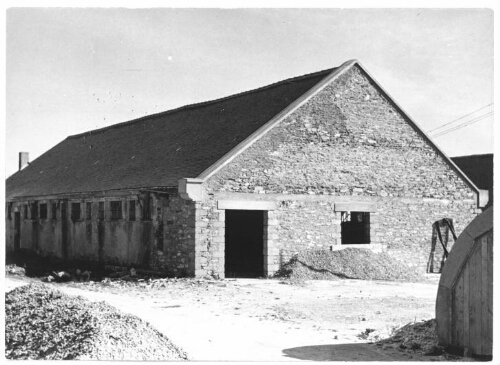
269	320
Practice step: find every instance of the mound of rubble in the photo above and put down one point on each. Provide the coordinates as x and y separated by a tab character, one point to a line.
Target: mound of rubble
416	337
42	323
349	263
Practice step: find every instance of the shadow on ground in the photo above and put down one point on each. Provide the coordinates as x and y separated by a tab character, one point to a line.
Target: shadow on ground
352	352
341	352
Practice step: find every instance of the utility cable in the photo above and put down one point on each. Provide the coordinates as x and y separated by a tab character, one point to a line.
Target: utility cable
465	124
462	117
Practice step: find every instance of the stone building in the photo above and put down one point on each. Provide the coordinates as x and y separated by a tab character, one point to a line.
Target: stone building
236	186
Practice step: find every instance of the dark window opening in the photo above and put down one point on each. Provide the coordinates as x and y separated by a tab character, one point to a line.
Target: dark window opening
88	210
9	210
17	231
75	211
101	211
34	210
54	211
355	228
116	210
131	210
25	211
43	211
146	207
64	212
244	243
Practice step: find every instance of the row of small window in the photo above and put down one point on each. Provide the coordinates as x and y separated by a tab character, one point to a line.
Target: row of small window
40	211
33	209
115	210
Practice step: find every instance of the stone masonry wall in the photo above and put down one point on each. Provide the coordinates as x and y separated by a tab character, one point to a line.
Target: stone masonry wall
349	141
174	228
210	231
401	227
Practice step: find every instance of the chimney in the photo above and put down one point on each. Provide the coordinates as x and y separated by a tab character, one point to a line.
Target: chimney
24	160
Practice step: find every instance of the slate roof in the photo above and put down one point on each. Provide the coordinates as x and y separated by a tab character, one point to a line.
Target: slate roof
156	150
479	168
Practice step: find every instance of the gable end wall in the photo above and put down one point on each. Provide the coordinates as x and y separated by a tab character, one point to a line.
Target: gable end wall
349	143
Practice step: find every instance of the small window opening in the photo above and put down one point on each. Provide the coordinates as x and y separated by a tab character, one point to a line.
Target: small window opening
146	207
131	210
75	211
9	210
101	211
43	211
88	210
54	211
355	228
34	210
25	211
116	210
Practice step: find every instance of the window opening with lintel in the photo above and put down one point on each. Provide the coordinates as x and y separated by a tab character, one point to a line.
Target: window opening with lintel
355	228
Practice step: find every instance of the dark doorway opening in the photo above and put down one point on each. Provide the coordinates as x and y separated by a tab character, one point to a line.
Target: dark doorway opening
17	231
244	247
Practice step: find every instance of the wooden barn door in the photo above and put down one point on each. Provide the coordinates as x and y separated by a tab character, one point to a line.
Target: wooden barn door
472	300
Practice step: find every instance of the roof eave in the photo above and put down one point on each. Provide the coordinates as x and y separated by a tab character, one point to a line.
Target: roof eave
68	195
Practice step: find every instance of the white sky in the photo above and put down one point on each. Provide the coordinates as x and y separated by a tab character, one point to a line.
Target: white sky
73	70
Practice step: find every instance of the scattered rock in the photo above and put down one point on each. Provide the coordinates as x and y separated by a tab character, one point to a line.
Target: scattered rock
364	335
61	276
15	270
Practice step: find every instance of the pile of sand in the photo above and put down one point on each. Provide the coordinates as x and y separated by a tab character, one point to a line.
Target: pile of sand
42	323
349	263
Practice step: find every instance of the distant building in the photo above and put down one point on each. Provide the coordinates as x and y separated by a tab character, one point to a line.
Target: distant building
234	187
478	168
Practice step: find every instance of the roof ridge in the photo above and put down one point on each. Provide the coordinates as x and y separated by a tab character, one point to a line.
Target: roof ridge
200	104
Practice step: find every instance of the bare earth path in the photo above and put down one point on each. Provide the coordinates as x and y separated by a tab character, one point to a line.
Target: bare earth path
265	320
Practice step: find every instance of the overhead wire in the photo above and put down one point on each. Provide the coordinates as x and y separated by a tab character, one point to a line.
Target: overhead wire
456	120
462	125
454	128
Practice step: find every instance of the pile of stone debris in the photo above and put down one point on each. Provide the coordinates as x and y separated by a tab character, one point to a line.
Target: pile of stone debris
412	338
417	337
64	276
349	263
42	323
